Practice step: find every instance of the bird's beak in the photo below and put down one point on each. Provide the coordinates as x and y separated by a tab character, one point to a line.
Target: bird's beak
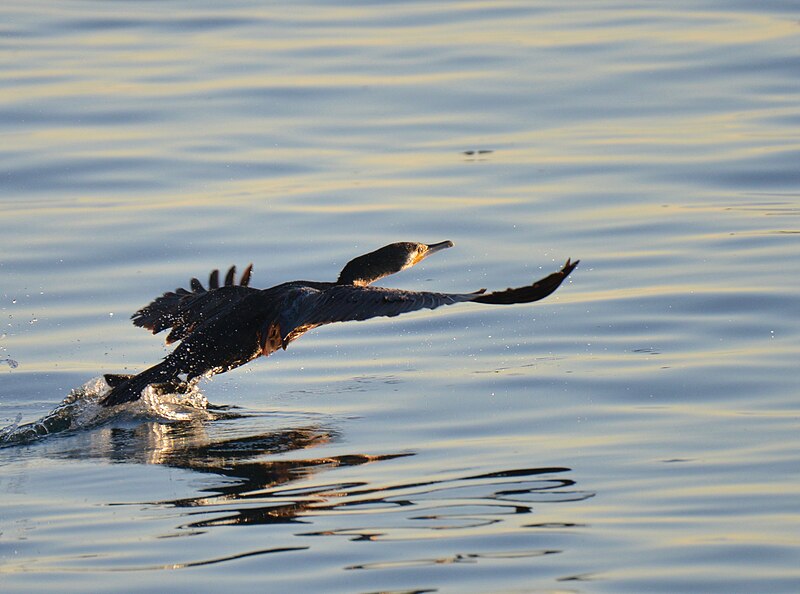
433	248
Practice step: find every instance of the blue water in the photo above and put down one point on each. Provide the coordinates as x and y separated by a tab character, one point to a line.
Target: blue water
635	432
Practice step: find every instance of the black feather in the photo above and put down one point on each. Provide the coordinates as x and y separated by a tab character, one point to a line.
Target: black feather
245	280
538	290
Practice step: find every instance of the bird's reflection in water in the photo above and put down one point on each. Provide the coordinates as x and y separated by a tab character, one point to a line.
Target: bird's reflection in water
264	479
247	463
257	481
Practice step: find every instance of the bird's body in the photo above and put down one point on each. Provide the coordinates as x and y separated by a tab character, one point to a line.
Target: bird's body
227	326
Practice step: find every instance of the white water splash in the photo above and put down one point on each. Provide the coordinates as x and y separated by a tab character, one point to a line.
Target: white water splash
81	409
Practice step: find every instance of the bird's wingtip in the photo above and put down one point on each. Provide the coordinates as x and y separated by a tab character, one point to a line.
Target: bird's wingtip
569	266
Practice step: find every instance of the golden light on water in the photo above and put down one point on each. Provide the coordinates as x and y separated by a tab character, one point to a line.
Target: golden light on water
635	431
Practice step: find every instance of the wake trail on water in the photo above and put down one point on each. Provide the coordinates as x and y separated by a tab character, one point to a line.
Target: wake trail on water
81	409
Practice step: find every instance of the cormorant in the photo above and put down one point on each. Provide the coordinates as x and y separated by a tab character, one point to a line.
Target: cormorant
226	326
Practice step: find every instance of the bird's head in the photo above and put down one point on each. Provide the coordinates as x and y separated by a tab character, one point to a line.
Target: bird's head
387	260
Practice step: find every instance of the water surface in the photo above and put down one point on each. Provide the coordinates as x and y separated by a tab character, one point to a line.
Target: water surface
637	431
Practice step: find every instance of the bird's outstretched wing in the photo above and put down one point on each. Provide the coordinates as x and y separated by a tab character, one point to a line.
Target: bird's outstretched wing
342	303
182	310
538	290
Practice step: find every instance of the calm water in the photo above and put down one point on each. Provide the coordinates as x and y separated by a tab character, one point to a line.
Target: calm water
638	431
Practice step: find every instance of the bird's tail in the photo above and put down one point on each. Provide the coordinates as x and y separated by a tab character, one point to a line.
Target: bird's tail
129	389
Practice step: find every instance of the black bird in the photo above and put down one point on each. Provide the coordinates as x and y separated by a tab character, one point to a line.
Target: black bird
227	326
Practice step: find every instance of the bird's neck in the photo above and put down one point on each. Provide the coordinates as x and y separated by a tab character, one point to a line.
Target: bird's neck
367	269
